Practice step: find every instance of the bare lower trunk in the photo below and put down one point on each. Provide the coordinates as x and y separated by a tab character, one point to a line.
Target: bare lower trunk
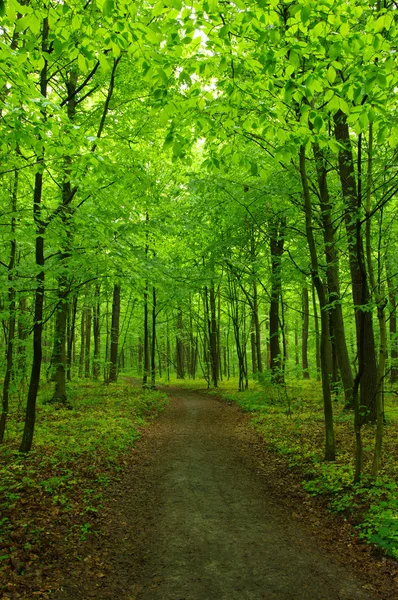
113	370
330	446
304	334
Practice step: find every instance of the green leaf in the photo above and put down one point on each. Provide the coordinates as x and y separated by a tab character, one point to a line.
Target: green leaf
254	169
331	73
294	58
318	123
381	80
105	68
108	7
305	13
382	134
2	8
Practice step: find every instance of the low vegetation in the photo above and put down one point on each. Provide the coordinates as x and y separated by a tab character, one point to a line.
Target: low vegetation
52	495
290	418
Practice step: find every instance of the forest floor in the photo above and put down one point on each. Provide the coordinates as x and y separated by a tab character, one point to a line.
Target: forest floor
204	510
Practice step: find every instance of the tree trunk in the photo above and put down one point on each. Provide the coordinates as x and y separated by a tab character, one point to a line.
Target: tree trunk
330	446
22	336
97	332
180	346
12	310
304	331
317	336
153	347
333	280
393	323
82	341
276	245
147	361
87	353
59	355
113	371
213	337
367	368
71	336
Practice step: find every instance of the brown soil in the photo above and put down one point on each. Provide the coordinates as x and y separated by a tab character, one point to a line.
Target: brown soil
205	512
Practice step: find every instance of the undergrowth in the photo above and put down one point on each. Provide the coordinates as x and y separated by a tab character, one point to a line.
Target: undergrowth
53	494
291	420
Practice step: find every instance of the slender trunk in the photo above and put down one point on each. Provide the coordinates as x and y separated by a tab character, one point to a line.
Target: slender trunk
22	336
87	353
153	347
146	337
30	416
253	347
12	310
180	346
276	246
97	332
82	341
367	368
381	303
257	328
71	337
106	366
393	323
59	353
317	336
333	279
113	370
213	336
330	447
304	332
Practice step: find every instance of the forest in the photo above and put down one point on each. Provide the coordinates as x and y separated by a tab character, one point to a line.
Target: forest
196	196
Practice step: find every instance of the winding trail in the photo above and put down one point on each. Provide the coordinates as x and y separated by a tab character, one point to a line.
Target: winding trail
193	521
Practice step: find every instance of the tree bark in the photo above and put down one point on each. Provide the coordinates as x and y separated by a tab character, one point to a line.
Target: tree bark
12	310
97	332
113	371
30	415
180	346
153	347
304	332
87	348
330	446
367	367
333	279
276	246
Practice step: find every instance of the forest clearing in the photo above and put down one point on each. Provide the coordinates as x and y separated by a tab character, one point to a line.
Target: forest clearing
198	259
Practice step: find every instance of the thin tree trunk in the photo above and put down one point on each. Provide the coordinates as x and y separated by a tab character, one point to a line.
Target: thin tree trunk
153	347
317	336
87	349
82	341
71	337
30	416
330	446
333	279
367	368
12	311
97	332
304	332
276	246
113	370
213	336
180	346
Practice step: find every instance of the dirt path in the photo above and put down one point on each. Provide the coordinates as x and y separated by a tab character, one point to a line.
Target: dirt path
193	521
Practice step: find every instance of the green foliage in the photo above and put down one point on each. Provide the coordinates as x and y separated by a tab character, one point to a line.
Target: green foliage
102	424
